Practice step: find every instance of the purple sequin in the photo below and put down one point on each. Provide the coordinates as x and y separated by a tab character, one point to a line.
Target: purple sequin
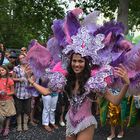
56	80
97	83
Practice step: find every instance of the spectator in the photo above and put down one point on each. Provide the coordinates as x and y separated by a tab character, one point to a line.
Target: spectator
7	108
13	59
2	53
23	97
23	50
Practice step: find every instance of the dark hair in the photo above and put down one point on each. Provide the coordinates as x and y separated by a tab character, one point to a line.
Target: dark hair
7	73
21	54
71	77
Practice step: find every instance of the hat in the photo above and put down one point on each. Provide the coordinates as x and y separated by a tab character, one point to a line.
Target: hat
13	55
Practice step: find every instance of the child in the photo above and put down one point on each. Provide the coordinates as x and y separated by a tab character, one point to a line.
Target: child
7	108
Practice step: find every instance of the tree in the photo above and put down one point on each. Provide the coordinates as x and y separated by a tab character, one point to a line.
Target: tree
23	20
128	10
123	13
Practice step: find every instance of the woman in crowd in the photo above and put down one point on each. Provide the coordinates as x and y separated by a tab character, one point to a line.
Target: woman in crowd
23	97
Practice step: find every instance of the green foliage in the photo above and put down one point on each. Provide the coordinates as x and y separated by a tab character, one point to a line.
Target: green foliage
108	7
136	40
23	20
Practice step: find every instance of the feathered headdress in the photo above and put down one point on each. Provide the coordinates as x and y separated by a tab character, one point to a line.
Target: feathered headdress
85	44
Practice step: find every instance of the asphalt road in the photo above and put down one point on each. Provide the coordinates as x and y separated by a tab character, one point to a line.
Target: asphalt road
38	133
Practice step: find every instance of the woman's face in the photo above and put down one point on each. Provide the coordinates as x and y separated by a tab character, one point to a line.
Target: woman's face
77	63
2	71
22	59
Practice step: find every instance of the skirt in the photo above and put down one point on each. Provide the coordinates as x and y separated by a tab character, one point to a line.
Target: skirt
7	108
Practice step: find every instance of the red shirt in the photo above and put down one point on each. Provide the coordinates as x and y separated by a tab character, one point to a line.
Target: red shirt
6	87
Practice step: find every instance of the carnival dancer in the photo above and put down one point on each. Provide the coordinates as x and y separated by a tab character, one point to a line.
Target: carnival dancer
90	67
80	121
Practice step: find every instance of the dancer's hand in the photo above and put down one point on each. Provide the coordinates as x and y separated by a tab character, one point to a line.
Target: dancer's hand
122	72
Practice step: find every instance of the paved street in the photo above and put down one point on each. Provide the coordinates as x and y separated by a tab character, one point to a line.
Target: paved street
38	133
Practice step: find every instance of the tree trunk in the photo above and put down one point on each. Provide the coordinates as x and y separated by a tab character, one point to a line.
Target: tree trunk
123	13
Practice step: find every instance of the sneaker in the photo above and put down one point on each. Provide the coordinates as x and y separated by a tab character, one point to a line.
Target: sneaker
62	123
110	137
120	135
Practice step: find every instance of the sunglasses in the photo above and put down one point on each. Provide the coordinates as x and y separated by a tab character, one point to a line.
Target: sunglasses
23	50
12	57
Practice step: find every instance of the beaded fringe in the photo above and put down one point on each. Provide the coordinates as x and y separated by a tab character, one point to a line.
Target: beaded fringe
88	121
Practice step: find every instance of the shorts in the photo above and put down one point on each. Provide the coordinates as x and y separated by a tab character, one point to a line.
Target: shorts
23	106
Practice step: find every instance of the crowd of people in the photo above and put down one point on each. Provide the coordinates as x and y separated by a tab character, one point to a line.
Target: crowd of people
91	84
17	100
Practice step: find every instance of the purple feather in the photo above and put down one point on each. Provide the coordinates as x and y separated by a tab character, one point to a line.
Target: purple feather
117	30
134	88
54	49
59	34
132	60
73	24
39	59
32	43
